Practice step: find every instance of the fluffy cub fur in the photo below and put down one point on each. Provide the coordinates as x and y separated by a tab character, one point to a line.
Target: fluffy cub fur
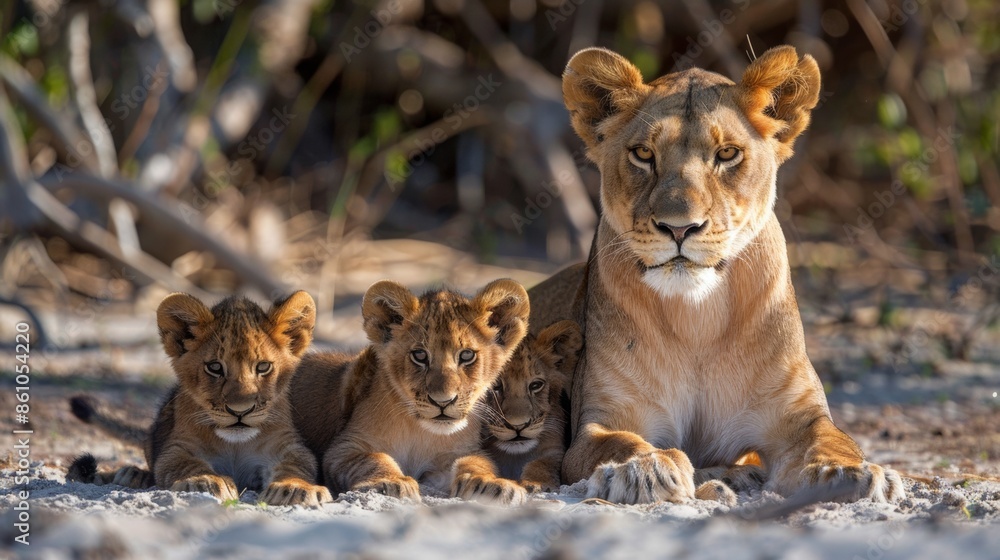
404	410
226	426
525	431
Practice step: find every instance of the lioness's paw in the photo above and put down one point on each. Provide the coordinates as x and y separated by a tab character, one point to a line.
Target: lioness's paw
870	480
133	477
488	490
664	474
295	492
222	487
404	487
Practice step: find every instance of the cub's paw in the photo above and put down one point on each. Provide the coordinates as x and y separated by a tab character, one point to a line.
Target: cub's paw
490	490
868	479
222	487
536	486
295	492
133	477
664	474
716	491
741	478
403	487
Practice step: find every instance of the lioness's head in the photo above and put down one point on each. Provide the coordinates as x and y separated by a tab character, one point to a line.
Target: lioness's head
530	386
443	351
688	161
235	360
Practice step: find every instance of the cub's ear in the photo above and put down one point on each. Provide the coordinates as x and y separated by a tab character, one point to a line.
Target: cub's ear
292	321
777	92
559	345
505	303
182	319
598	83
386	305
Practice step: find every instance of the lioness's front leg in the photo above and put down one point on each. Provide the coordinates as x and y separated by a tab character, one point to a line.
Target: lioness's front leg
293	482
623	467
820	454
350	466
475	477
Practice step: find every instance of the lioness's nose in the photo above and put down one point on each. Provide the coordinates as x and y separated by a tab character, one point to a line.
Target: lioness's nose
442	399
679	232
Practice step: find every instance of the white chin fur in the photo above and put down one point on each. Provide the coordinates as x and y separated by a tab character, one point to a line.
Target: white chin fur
444	428
694	285
517	447
239	435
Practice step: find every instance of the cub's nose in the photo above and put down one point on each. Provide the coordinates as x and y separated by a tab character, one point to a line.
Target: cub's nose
442	400
679	232
517	423
240	409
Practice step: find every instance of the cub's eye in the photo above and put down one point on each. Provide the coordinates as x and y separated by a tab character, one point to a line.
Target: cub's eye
729	153
466	357
536	385
498	388
214	368
419	357
642	157
264	368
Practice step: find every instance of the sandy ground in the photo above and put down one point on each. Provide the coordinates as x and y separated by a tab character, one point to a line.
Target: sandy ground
932	418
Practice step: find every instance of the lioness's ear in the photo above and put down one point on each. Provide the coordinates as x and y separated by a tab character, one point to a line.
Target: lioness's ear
777	92
385	305
292	322
506	304
598	83
181	318
559	345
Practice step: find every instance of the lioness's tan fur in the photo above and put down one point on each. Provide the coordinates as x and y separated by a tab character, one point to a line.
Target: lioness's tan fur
694	352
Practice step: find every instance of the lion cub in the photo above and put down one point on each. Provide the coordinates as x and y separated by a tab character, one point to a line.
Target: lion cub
525	432
405	409
226	426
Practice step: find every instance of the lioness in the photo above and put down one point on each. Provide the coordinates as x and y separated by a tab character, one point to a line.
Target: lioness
526	423
404	409
226	426
694	346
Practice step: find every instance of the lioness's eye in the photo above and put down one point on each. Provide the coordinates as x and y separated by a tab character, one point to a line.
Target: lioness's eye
214	368
536	385
419	357
728	153
264	368
643	154
466	357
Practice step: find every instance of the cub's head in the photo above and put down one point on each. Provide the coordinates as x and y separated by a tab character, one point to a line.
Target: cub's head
530	387
443	351
235	360
688	161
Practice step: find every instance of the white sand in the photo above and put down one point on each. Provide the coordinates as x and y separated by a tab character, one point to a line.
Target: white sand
78	520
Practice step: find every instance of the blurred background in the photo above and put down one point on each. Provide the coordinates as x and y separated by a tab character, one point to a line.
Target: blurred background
212	146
